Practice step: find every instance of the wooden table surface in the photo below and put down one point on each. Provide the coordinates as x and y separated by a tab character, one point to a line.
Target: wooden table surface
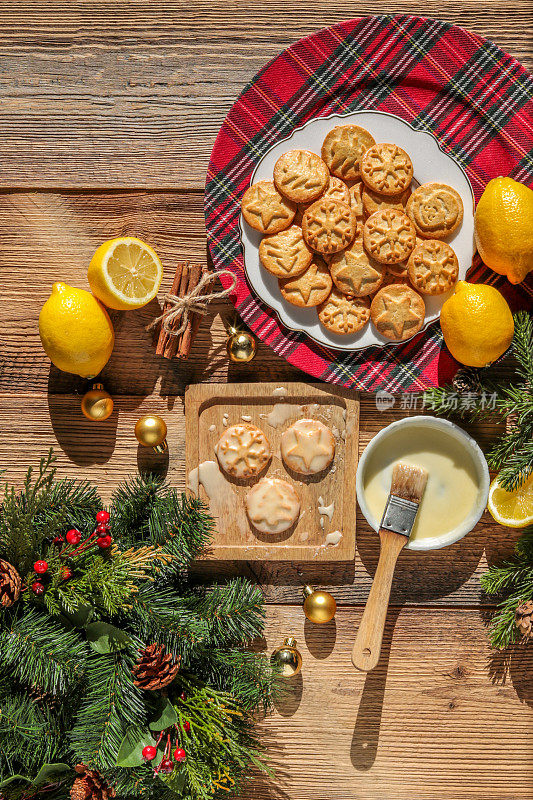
108	113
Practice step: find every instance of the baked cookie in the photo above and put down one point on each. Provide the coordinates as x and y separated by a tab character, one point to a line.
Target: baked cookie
374	201
310	288
398	312
433	267
398	270
342	150
336	189
329	226
307	447
344	315
265	209
356	198
354	272
389	278
285	254
386	169
435	209
243	451
272	505
300	176
389	236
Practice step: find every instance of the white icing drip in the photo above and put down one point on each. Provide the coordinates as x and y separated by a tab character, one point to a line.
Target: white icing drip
335	431
327	511
223	501
281	391
320	500
192	480
246	418
280	414
322	522
225	420
334	538
344	414
212	428
304	536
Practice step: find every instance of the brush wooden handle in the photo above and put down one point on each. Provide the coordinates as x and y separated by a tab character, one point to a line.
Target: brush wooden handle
367	647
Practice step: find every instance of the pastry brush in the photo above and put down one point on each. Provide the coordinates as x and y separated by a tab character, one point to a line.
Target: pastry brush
407	487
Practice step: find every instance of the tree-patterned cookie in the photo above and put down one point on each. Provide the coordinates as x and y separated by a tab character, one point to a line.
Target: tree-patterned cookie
243	451
433	267
354	272
285	254
300	175
435	209
329	226
398	312
265	209
386	169
389	236
310	288
272	505
342	150
344	315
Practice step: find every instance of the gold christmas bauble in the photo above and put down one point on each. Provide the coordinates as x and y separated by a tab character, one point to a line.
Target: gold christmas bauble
151	431
288	658
319	606
97	404
241	346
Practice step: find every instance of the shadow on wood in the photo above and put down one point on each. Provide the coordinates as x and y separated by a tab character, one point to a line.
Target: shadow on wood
320	638
290	696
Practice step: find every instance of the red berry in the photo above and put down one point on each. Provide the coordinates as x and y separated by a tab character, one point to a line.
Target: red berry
40	567
65	573
183	696
179	754
73	536
102	528
149	753
104	542
58	541
186	726
166	766
103	516
37	588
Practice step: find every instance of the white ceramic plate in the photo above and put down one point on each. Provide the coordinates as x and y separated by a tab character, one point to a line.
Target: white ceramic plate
430	164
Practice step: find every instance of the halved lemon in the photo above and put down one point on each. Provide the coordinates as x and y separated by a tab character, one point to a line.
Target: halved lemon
125	273
513	509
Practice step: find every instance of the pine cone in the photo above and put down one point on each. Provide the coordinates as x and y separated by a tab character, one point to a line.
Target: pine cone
90	785
9	584
43	698
466	380
155	668
523	619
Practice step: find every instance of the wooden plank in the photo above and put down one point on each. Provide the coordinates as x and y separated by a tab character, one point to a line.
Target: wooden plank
107	453
93	94
428	723
209	408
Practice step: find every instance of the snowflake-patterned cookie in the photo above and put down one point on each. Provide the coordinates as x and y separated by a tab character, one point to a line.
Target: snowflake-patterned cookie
386	169
300	175
265	209
243	451
389	236
329	226
344	315
398	312
285	254
272	505
310	288
342	150
433	267
354	272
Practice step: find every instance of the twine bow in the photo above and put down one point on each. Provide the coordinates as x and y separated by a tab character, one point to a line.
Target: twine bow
193	303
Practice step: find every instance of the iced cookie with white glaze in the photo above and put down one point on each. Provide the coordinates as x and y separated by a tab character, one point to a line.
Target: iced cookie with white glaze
243	451
307	447
272	505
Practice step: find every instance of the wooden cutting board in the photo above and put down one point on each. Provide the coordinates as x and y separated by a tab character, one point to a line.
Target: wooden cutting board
211	408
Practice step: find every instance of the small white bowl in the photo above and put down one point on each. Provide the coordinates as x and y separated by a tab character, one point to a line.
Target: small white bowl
471	447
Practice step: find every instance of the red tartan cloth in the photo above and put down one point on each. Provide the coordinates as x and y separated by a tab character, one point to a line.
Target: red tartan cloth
475	99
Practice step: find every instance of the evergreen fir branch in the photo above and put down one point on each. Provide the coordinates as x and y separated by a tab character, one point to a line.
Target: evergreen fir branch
244	674
29	736
235	612
515	464
40	652
523	345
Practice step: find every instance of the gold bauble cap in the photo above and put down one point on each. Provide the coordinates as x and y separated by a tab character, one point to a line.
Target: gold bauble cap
97	404
151	431
319	606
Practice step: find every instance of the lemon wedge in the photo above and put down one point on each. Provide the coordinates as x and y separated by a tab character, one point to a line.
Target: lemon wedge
125	273
513	509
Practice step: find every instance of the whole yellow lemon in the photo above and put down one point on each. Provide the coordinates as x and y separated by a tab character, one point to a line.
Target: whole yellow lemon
504	228
477	324
76	331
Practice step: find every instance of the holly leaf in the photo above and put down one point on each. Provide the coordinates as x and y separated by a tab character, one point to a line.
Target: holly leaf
81	616
131	747
165	716
175	781
105	638
49	773
13	778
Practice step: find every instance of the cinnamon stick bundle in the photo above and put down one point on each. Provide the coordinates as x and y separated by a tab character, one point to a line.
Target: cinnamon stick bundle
186	279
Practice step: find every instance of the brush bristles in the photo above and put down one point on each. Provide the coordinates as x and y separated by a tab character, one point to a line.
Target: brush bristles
408	482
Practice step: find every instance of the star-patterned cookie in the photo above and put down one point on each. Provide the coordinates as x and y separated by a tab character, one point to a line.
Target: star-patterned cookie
342	150
285	254
310	288
265	209
389	236
354	272
433	267
272	505
307	446
398	312
329	226
243	451
386	169
300	175
374	201
344	315
435	209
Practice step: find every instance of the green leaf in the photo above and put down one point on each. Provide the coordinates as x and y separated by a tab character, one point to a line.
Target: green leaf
175	782
166	716
81	617
131	747
14	778
105	638
49	773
